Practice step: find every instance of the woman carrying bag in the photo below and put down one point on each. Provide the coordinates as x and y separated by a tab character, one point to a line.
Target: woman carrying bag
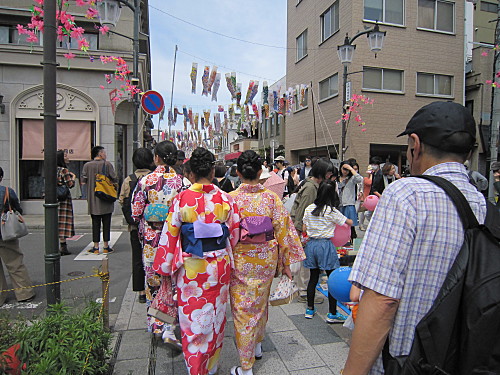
11	254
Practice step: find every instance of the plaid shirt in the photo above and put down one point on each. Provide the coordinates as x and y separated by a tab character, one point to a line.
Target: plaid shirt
410	245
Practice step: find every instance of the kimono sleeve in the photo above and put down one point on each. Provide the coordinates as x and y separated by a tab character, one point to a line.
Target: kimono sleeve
138	201
289	247
169	253
233	222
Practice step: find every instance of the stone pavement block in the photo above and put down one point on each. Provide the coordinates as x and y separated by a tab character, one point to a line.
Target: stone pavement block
134	345
294	308
131	367
278	321
138	317
313	371
334	355
270	364
123	319
295	351
315	330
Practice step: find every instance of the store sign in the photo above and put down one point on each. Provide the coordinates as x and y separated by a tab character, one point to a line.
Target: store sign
73	136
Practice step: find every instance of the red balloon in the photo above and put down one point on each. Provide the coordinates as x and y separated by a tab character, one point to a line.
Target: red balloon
341	235
370	202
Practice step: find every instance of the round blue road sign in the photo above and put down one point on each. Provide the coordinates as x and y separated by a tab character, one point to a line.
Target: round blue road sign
152	102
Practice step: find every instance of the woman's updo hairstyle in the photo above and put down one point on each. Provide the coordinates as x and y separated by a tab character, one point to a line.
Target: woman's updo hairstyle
167	152
202	162
249	163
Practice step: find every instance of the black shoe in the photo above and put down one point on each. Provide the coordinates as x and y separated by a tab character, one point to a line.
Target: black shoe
142	298
107	250
63	250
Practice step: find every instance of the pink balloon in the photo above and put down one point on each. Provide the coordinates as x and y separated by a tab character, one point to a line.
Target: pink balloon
341	235
370	202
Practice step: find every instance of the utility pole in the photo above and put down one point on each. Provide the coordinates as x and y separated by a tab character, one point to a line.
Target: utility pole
52	257
495	113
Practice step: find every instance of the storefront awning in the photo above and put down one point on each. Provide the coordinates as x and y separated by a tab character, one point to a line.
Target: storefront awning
234	155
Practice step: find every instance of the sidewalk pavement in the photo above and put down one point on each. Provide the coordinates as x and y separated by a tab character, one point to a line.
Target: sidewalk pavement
293	344
82	222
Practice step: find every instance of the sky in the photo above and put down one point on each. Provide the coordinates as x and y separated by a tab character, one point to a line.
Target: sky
257	21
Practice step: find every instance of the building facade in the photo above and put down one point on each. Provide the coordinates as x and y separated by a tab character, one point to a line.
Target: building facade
422	61
88	115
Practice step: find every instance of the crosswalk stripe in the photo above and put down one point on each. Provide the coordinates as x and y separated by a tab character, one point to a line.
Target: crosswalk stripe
85	255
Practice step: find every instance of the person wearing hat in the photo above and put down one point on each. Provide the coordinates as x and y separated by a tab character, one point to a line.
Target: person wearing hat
280	164
495	168
414	236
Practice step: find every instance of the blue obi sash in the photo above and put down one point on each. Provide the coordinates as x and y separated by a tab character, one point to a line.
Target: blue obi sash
198	246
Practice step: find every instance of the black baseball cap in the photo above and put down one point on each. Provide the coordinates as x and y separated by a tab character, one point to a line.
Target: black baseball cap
437	121
181	155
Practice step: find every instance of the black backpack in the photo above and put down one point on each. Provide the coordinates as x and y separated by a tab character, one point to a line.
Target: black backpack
461	332
127	201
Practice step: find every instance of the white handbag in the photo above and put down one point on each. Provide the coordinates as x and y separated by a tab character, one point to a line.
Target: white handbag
12	225
285	292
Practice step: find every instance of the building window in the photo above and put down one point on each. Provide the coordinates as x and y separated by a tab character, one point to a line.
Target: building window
330	21
302	46
329	87
73	43
381	79
4	35
266	128
278	120
271	122
436	15
489	7
387	11
434	84
300	98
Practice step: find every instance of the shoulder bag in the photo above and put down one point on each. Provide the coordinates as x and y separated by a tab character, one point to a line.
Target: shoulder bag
105	189
62	190
12	225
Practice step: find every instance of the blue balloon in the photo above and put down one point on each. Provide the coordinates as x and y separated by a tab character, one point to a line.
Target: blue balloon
338	286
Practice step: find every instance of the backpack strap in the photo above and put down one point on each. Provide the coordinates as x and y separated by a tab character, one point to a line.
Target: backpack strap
132	183
466	214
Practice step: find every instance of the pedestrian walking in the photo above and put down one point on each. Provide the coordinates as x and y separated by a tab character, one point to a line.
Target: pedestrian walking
196	250
414	237
224	183
257	263
321	170
99	210
364	215
11	254
320	220
304	171
348	181
495	168
151	201
66	222
143	160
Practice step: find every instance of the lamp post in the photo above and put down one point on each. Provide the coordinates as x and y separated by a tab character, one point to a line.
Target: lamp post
273	144
109	14
346	53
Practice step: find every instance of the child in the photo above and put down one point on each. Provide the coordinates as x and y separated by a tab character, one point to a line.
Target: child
319	223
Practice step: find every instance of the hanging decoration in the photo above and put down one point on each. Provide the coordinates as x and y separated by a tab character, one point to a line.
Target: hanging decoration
206	115
215	87
204	80
193	75
249	92
211	81
230	86
253	93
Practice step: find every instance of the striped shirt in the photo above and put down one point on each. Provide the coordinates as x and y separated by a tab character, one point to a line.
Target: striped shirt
322	226
410	245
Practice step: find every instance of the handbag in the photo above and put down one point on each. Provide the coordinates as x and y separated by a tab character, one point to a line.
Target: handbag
256	229
164	305
105	189
12	225
285	292
63	192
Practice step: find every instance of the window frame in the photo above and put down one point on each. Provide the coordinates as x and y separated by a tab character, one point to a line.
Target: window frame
382	90
489	4
304	35
335	5
453	32
384	22
297	107
330	96
434	95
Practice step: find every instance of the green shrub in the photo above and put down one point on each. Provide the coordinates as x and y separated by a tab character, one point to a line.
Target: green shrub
60	342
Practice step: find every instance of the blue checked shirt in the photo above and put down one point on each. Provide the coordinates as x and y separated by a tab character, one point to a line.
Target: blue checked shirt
410	245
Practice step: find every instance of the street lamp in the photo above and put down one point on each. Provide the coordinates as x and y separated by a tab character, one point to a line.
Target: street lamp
346	53
109	14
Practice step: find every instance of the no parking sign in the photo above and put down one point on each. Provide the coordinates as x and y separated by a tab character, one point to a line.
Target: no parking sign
152	102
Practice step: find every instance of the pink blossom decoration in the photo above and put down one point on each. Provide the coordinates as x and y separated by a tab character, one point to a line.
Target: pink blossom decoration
69	55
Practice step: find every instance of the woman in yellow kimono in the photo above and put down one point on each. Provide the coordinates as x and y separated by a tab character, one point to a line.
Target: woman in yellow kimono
195	250
255	264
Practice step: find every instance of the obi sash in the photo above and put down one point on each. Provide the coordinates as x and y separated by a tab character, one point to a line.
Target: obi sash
197	246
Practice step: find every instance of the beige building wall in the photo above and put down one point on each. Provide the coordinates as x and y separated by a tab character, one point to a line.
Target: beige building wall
405	48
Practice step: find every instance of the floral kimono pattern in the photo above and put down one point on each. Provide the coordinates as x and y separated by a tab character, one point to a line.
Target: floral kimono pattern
162	185
202	282
255	266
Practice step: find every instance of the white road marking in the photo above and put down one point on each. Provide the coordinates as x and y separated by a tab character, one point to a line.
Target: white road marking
21	305
85	255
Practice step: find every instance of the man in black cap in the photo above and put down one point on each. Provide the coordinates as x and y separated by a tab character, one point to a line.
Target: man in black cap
181	156
414	236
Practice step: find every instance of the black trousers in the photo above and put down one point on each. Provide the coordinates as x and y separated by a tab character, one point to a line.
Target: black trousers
311	290
138	274
96	227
